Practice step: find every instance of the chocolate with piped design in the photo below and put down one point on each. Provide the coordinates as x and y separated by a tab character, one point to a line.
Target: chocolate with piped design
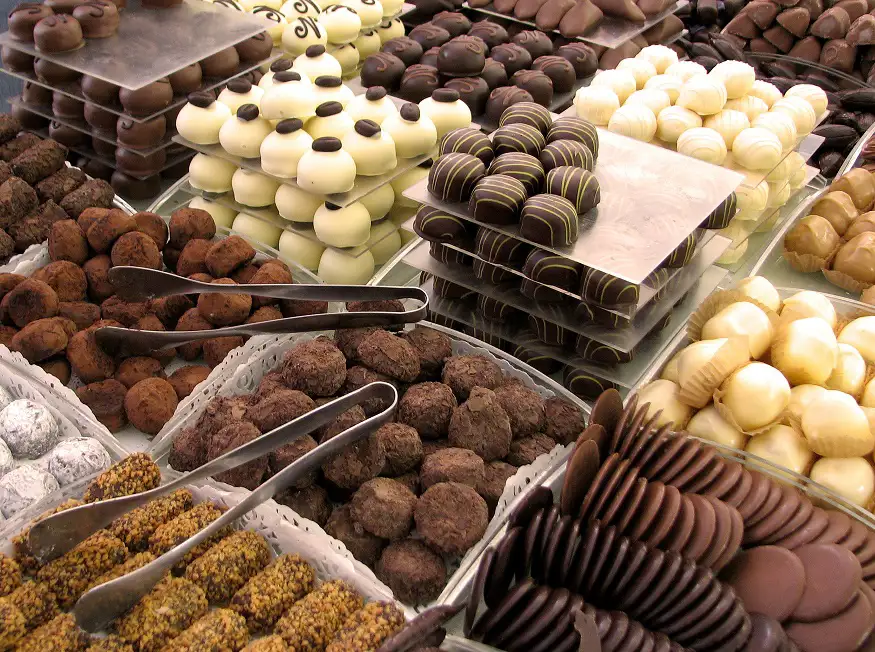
522	138
468	141
541	293
454	175
537	359
497	199
606	290
551	269
419	82
449	290
495	309
584	384
577	185
499	248
435	225
559	70
571	128
523	167
449	256
512	56
429	35
492	34
549	220
493	274
683	254
473	91
602	353
527	113
722	215
549	333
567	152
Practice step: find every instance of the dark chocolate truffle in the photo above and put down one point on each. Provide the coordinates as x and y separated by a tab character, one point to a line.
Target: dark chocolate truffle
468	141
538	85
99	91
57	33
537	43
497	199
499	248
504	97
415	573
513	57
571	128
255	48
571	153
464	372
429	35
364	546
382	69
451	517
384	507
549	220
405	48
494	74
429	57
522	167
98	18
222	64
187	80
550	269
24	17
435	225
559	70
463	56
473	91
427	407
147	100
455	23
454	175
419	82
577	185
581	56
492	33
521	138
529	114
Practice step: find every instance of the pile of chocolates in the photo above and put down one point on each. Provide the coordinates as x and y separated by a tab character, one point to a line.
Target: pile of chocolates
66	29
462	429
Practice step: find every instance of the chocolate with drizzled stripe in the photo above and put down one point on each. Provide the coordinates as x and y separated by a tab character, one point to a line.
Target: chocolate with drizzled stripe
518	138
571	128
549	220
468	141
523	167
454	175
497	199
577	185
527	113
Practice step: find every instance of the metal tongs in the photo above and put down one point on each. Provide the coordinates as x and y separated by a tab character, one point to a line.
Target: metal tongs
140	284
101	605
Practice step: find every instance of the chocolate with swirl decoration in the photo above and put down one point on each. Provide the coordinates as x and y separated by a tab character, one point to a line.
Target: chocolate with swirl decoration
512	56
567	152
602	353
463	56
419	82
300	8
497	199
549	333
468	141
449	290
527	351
571	128
492	33
454	175
559	70
527	113
492	273
541	293
429	35
98	18
473	91
577	185
494	309
230	4
405	48
435	225
549	220
500	248
584	384
24	17
452	21
522	138
721	216
449	256
606	290
551	269
525	168
683	254
382	69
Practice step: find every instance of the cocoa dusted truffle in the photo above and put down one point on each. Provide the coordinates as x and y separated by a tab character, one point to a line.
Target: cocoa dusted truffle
185	379
452	465
89	362
128	313
216	349
384	508
96	271
451	517
40	161
81	313
94	192
527	449
271	272
311	503
188	452
224	308
495	477
390	355
170	309
565	421
428	407
59	184
150	403
107	228
463	372
278	408
524	408
43	338
153	226
288	453
233	436
67	241
106	399
348	339
357	377
402	446
130	371
30	300
415	573
433	348
481	425
227	255
363	545
316	367
190	223
17	200
193	258
137	250
192	320
358	462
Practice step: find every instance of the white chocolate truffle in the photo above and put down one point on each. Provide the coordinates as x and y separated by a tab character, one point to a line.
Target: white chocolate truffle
755	395
674	121
708	424
765	91
348	57
836	426
705	364
277	17
781	172
302	33
812	94
284	147
257	229
326	169
757	149
391	7
868	397
353	267
622	82
280	65
669	84
852	478
749	105
367	43
596	104
811	304
374	105
239	92
370	12
384	242
738	77
800	110
372	149
222	215
641	70
210	174
761	289
379	202
413	133
664	395
849	373
289	96
316	62
728	124
752	199
330	121
742	319
342	24
295	204
805	351
7	462
403	181
253	189
635	121
779	194
686	70
798	169
703	95
670	371
5	397
780	124
446	111
76	458
331	89
390	29
783	446
349	226
800	397
704	144
660	56
201	119
292	9
306	252
23	487
28	429
653	99
860	334
242	135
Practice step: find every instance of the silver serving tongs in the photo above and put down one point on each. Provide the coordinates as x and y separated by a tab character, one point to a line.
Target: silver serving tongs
140	284
60	532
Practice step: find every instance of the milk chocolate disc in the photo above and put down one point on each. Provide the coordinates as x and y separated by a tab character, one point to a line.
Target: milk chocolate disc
631	428
608	490
684	574
637	555
631	447
584	556
631	505
674	534
866	552
707	477
483	572
798	520
650	506
652	450
832	576
627	415
538	498
672	564
579	476
846	631
603	551
722	531
766	634
676	459
700	587
607	410
769	580
597	434
560	603
725	482
777	519
701	462
773	498
857	537
837	530
808	532
594	491
738	494
735	535
612	508
537	600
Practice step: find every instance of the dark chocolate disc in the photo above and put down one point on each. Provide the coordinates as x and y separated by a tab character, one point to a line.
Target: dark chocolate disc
769	580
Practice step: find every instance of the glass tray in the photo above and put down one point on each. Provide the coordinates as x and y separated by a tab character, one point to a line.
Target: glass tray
611	32
152	43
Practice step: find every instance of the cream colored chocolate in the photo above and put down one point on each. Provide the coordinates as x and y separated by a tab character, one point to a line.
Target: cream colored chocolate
641	70
728	124
201	124
807	303
635	121
622	82
742	319
852	478
737	77
784	446
674	121
757	149
355	267
596	104
780	124
210	174
755	395
704	144
306	252
283	148
708	424
253	189
668	83
349	226
372	149
836	426
663	395
660	56
242	136
296	205
805	351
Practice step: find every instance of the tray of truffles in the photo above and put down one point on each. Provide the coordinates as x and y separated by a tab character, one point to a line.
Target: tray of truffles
611	203
798	394
142	46
676	542
415	500
608	24
262	584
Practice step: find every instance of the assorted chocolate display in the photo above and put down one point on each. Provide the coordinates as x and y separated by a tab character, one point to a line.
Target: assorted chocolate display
462	429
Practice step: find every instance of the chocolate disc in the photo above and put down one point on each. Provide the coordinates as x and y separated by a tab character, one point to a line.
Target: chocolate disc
845	631
632	427
857	538
508	560
631	506
584	556
739	493
652	469
661	586
537	600
735	535
611	571
617	628
832	576
483	572
652	449
773	498
555	630
607	409
837	530
726	480
631	447
704	528
594	433
519	595
707	477
727	618
715	599
768	579
640	522
608	491
603	551
579	476
799	519
549	617
813	528
594	491
638	554
673	533
532	535
866	552
555	547
628	413
572	543
612	508
766	634
538	498
652	569
700	587
722	532
686	455
551	520
701	463
777	519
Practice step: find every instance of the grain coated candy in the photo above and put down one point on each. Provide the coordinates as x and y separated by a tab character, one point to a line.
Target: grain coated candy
134	474
61	634
221	630
164	614
137	526
10	575
36	603
268	644
70	575
271	593
109	644
223	569
310	624
12	625
27	561
368	627
182	527
132	563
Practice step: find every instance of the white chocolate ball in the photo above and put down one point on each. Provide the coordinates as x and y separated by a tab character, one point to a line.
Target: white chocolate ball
670	371
708	424
336	125
367	43
728	124
242	137
752	199
757	149
852	478
412	138
446	116
222	215
210	174
390	29
674	121
635	121
257	229
737	76
663	395
704	144
292	9
235	100
373	154
849	373
798	169
295	204
749	105
686	70
800	397
805	351
836	426
742	319
253	189
765	91
342	24
779	194
348	57
653	99
369	11
761	289
668	83
301	33
289	99
811	304
349	226
326	173
703	94
281	150
384	242
351	267
860	334
306	252
403	181
660	56
756	395
361	108
201	126
783	446
622	82
379	202
800	110
641	70
314	67
596	104
812	94
780	124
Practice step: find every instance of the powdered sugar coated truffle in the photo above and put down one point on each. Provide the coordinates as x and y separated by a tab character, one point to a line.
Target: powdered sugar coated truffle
77	458
28	429
23	487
